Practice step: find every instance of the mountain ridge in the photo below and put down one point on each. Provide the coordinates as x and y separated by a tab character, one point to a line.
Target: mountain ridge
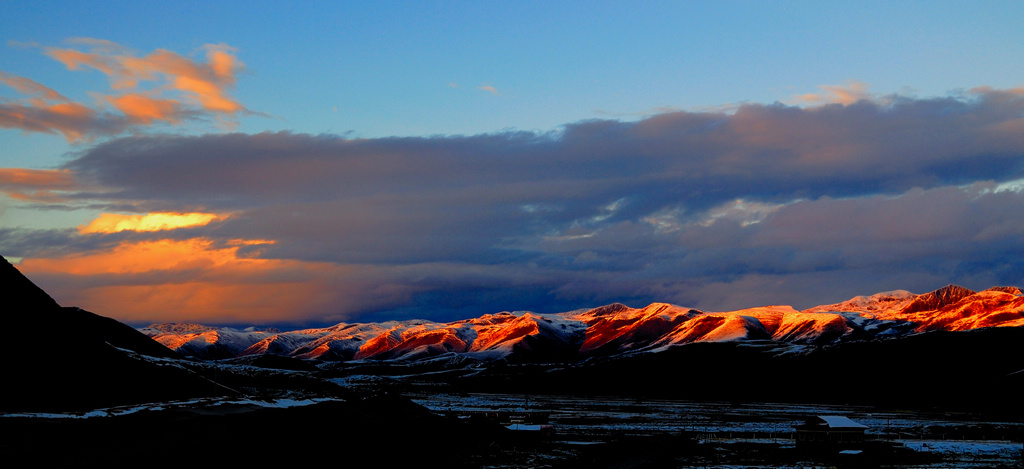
612	329
66	358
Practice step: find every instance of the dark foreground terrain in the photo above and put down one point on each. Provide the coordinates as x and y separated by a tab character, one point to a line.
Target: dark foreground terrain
382	431
619	431
426	430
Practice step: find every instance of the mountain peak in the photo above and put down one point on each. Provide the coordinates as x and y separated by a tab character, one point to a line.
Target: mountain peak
608	310
937	299
178	328
13	284
97	359
1010	290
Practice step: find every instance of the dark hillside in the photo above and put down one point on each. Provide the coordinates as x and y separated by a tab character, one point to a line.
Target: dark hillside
56	358
977	370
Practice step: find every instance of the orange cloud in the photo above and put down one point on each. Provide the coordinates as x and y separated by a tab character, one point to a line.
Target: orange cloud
74	60
43	110
208	94
200	302
35	184
141	257
837	94
185	280
30	87
203	292
176	87
113	223
194	279
206	83
146	110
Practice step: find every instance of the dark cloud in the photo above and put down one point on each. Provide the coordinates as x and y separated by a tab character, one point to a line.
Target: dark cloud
770	152
769	204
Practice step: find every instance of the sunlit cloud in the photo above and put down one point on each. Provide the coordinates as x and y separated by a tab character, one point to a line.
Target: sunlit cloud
836	94
178	280
744	212
141	257
1016	185
207	83
145	110
72	120
159	87
198	280
113	223
488	88
36	185
31	88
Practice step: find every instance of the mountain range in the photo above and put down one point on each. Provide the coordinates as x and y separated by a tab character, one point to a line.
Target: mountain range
78	389
610	330
950	348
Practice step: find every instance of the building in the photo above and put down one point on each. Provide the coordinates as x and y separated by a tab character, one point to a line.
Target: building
833	430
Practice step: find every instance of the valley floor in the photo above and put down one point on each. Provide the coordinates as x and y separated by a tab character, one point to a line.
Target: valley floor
599	431
576	431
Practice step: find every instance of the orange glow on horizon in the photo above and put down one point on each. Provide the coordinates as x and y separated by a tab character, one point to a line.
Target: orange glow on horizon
142	257
184	280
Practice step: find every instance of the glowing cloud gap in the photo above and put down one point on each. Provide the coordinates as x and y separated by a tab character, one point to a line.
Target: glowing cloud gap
113	223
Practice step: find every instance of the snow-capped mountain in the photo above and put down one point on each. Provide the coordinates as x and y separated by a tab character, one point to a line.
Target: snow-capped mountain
950	308
612	329
954	346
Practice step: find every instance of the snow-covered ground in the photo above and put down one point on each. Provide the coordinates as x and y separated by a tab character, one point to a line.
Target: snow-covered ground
970	453
208	403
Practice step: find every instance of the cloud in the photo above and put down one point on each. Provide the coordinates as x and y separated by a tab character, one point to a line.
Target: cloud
72	120
189	280
489	89
760	153
160	87
765	204
113	223
644	113
837	94
29	87
39	185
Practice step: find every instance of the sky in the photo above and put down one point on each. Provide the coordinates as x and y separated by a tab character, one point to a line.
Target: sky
265	163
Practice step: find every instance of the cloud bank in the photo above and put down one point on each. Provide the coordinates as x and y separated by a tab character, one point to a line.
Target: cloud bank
767	204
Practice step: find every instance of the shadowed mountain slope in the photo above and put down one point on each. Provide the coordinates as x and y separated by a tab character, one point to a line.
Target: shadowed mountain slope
55	358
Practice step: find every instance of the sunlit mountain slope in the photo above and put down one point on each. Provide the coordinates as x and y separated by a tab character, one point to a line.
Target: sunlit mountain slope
613	329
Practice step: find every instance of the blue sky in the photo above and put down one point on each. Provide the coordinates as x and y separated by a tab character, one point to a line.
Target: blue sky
447	74
382	69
